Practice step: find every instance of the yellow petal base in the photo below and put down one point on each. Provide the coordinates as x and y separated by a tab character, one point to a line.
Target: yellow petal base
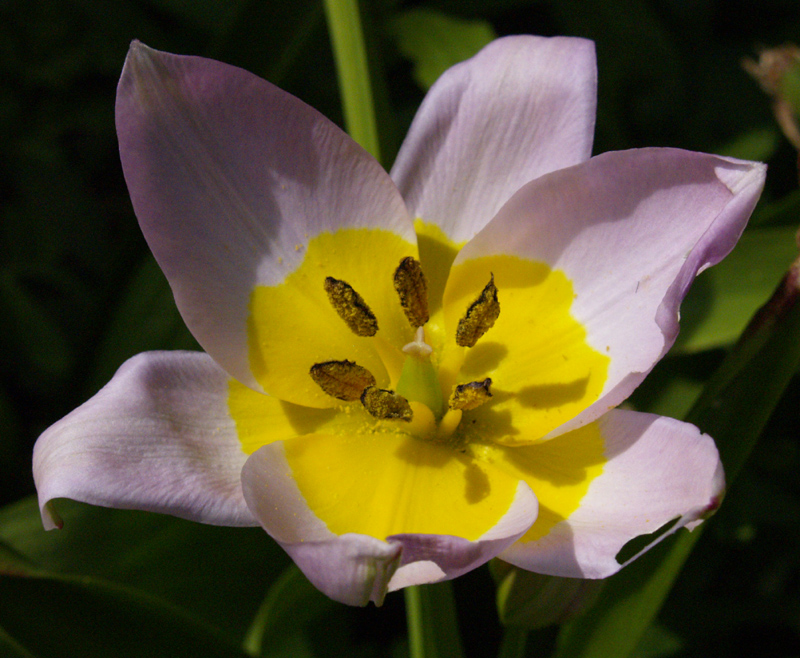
388	483
543	370
293	325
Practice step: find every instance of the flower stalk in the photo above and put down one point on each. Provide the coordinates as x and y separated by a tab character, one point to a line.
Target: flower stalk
350	54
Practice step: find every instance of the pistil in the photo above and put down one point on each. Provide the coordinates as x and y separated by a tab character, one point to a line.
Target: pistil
418	347
419	380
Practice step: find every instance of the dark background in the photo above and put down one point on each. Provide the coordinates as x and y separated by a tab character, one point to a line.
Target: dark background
80	293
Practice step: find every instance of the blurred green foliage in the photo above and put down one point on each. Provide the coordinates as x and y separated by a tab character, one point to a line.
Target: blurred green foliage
80	293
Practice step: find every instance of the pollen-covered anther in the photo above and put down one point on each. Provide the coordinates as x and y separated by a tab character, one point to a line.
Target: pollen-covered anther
351	307
344	380
410	284
469	396
480	317
386	405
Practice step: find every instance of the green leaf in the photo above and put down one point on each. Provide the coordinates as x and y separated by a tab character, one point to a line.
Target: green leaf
83	617
31	335
734	408
759	144
532	600
627	605
217	574
146	318
658	642
674	385
724	297
432	621
292	602
270	39
739	399
12	562
208	15
514	642
434	41
11	648
783	212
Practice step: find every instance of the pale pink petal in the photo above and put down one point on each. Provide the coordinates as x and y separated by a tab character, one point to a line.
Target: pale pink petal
157	437
355	568
522	107
431	558
631	230
658	470
230	178
352	569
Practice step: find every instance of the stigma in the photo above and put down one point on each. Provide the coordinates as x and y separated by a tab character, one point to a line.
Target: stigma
418	347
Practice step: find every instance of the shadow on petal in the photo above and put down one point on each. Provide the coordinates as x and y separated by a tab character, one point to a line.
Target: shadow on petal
477	485
483	358
548	396
306	420
557	549
562	461
486	424
433	456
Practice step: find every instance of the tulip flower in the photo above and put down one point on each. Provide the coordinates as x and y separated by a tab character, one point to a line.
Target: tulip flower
407	374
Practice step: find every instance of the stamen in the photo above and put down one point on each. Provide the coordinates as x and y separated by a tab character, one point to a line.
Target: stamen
423	425
481	316
343	380
448	425
469	396
386	405
351	307
410	284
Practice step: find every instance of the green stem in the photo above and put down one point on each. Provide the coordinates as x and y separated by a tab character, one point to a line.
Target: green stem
350	53
432	622
416	625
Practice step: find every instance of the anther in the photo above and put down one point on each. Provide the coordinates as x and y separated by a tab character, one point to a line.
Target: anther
410	284
386	405
351	307
469	396
480	317
343	380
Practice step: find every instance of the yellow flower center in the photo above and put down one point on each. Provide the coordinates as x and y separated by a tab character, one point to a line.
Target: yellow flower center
344	335
488	352
419	394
